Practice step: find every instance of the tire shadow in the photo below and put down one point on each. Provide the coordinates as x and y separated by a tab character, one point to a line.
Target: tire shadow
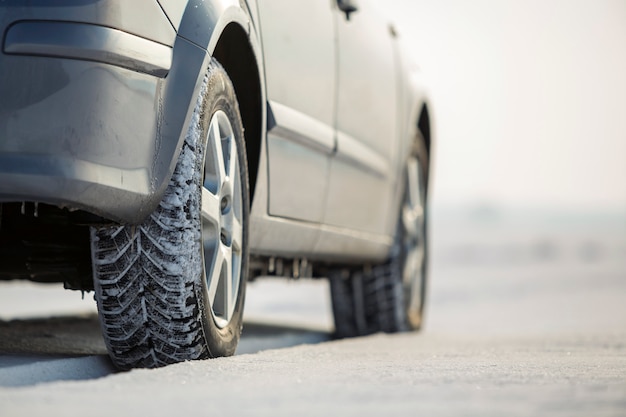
41	350
71	348
257	336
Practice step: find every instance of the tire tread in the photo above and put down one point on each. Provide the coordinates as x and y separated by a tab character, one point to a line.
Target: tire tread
145	287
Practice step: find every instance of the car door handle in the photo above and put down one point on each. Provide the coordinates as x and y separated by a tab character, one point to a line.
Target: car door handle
348	7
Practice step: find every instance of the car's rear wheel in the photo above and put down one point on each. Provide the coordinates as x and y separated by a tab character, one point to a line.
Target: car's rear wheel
389	297
172	289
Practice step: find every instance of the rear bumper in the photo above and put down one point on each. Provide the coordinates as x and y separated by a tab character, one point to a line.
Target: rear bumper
79	116
78	134
123	195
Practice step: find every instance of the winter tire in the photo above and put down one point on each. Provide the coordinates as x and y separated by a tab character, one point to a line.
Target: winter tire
390	297
172	288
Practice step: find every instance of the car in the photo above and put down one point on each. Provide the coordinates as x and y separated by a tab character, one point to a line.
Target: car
162	153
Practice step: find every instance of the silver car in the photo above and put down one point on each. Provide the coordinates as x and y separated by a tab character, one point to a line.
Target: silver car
164	152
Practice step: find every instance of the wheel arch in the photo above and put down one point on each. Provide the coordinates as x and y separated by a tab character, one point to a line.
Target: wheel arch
424	126
226	30
420	114
222	29
234	51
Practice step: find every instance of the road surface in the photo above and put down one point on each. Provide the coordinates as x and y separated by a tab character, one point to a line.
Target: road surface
519	323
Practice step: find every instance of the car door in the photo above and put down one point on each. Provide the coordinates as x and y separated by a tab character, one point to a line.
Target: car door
300	67
362	180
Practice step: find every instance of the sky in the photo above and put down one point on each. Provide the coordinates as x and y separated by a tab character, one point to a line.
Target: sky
529	99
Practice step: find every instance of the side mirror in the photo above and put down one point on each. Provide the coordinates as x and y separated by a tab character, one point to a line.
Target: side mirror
347	6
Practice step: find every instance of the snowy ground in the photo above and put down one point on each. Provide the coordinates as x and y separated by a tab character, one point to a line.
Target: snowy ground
523	319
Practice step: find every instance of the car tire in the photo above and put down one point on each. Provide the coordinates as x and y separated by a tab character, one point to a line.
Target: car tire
390	297
172	288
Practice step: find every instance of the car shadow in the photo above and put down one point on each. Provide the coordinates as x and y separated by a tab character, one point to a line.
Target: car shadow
257	336
70	348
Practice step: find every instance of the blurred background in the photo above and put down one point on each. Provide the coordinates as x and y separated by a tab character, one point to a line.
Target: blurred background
528	208
529	101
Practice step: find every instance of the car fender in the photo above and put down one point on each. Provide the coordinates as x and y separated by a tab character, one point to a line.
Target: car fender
413	98
199	29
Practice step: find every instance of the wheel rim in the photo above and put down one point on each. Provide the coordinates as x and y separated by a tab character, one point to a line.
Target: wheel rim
222	230
414	239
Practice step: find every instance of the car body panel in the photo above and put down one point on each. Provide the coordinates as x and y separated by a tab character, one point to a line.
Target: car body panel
300	62
327	186
78	153
88	42
143	18
174	9
368	135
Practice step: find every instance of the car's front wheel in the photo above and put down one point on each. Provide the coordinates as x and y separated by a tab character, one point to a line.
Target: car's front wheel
172	289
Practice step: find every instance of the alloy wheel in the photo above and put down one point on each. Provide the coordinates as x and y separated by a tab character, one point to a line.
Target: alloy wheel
222	219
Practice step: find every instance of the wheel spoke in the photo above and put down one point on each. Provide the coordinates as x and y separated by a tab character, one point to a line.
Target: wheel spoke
228	282
233	168
220	154
214	275
413	182
416	285
215	154
413	210
237	235
210	209
412	220
221	285
410	267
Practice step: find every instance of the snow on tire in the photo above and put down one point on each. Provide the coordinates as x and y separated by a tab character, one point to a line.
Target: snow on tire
172	288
